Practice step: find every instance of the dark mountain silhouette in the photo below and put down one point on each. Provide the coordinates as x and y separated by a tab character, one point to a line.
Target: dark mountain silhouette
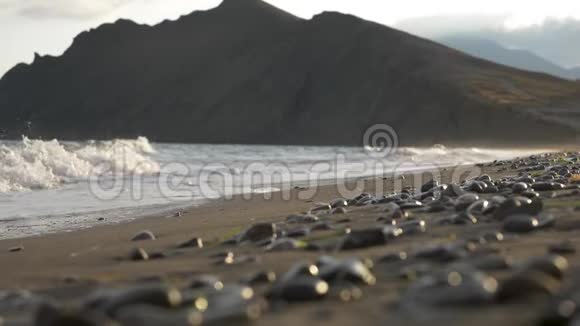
521	59
247	72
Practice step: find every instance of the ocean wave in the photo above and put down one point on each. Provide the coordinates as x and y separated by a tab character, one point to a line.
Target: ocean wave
37	164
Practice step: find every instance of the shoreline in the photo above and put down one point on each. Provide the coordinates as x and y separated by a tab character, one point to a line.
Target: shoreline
168	210
70	266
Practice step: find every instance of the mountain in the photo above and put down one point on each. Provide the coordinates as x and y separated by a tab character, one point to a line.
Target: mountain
521	59
247	72
575	72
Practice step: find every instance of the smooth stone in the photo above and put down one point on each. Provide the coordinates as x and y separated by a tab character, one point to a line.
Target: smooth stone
526	223
258	232
476	209
138	254
393	257
441	253
302	218
520	224
429	185
492	262
526	180
526	285
110	301
518	205
484	178
298	270
298	233
465	201
412	227
349	270
519	187
547	186
144	236
264	277
191	243
530	194
453	190
492	237
234	305
206	281
301	288
358	239
453	287
16	249
565	247
552	265
476	186
491	189
338	203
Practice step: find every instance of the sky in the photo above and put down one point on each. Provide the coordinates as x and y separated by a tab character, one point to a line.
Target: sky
49	26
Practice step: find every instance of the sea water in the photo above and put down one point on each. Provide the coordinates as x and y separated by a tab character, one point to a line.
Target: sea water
54	186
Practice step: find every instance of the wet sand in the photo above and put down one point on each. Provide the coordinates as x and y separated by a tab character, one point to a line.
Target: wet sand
70	265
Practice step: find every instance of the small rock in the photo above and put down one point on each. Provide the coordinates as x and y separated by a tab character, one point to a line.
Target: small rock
302	218
206	281
258	232
527	284
16	249
453	287
526	223
563	248
301	288
350	270
363	239
338	203
519	187
518	205
191	243
429	185
138	254
259	278
144	236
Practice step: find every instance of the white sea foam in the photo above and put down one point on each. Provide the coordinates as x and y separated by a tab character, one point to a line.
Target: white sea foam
37	164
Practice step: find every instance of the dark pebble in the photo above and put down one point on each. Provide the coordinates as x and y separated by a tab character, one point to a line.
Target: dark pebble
144	236
191	243
300	288
138	254
16	249
563	248
258	232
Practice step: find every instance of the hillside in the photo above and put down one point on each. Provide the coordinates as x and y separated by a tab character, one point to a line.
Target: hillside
521	59
247	72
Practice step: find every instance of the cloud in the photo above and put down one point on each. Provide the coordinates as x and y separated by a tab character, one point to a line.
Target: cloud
445	25
76	9
555	39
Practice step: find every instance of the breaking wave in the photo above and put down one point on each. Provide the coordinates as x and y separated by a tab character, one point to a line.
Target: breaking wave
37	164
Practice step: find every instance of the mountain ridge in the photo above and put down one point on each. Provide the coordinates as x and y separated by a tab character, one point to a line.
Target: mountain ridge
265	76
